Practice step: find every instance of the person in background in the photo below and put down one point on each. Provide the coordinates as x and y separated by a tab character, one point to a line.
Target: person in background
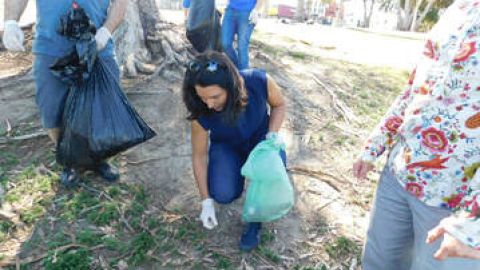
239	19
48	45
229	116
426	213
185	5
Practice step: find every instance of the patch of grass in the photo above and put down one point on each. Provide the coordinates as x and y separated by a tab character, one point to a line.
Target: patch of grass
88	237
79	259
139	246
5	229
300	267
105	214
269	254
267	236
72	208
341	247
221	261
32	214
298	55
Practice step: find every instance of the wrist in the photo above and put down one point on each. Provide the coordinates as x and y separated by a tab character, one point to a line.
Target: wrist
10	22
106	31
208	202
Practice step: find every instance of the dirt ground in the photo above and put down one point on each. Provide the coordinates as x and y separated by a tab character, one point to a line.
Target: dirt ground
332	104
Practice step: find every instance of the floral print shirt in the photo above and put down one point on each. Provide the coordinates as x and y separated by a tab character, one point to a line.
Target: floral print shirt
433	128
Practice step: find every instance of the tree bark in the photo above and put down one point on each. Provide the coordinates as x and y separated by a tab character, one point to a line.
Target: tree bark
145	38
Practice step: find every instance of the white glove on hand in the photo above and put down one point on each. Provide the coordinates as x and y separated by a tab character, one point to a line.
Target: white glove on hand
276	138
13	36
208	214
253	18
102	37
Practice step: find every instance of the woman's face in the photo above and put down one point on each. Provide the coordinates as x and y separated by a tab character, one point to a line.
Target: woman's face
213	96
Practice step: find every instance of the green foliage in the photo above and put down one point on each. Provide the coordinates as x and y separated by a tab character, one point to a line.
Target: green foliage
79	259
222	262
269	254
341	247
140	245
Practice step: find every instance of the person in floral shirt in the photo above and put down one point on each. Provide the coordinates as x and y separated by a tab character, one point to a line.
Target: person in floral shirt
430	187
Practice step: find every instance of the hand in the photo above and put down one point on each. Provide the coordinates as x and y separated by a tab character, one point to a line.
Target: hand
450	246
276	138
253	18
208	214
102	37
13	36
361	169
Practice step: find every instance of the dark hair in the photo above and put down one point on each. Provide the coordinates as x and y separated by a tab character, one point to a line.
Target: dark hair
213	68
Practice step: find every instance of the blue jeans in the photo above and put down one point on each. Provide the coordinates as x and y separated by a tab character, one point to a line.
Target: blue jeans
225	183
398	228
237	22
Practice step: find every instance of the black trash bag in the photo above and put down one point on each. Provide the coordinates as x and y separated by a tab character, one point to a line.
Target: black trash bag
203	26
98	120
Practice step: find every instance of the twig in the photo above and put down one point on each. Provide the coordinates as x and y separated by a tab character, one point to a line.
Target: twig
24	137
318	175
339	106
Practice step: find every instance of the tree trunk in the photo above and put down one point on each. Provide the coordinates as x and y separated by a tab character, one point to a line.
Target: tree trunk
144	38
404	15
415	14
300	10
367	12
418	20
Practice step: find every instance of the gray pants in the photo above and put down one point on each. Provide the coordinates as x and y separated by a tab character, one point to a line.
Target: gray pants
398	229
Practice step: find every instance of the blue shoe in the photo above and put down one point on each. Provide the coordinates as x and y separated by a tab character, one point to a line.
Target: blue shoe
69	177
251	236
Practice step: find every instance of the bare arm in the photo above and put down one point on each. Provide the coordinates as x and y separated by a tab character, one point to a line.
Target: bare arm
199	157
116	15
14	9
277	105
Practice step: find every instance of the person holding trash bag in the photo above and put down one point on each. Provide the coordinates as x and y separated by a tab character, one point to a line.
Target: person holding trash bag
229	116
239	18
425	215
49	45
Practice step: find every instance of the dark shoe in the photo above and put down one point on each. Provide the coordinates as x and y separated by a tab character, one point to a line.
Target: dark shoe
251	236
107	172
69	177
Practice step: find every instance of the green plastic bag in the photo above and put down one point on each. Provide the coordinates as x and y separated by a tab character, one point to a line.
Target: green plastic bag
269	193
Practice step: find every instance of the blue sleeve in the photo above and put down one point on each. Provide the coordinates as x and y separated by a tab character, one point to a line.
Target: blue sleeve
203	121
256	82
186	3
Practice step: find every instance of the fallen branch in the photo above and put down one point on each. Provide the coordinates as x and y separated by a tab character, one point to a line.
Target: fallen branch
340	107
318	175
24	137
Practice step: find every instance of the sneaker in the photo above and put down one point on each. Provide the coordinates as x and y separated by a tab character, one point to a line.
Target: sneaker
69	177
108	172
251	236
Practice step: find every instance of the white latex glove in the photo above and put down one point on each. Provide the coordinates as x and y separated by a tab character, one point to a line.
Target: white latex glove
13	36
102	37
207	216
276	138
253	18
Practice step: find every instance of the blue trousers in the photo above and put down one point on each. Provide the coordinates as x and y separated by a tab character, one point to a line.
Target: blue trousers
225	183
236	22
